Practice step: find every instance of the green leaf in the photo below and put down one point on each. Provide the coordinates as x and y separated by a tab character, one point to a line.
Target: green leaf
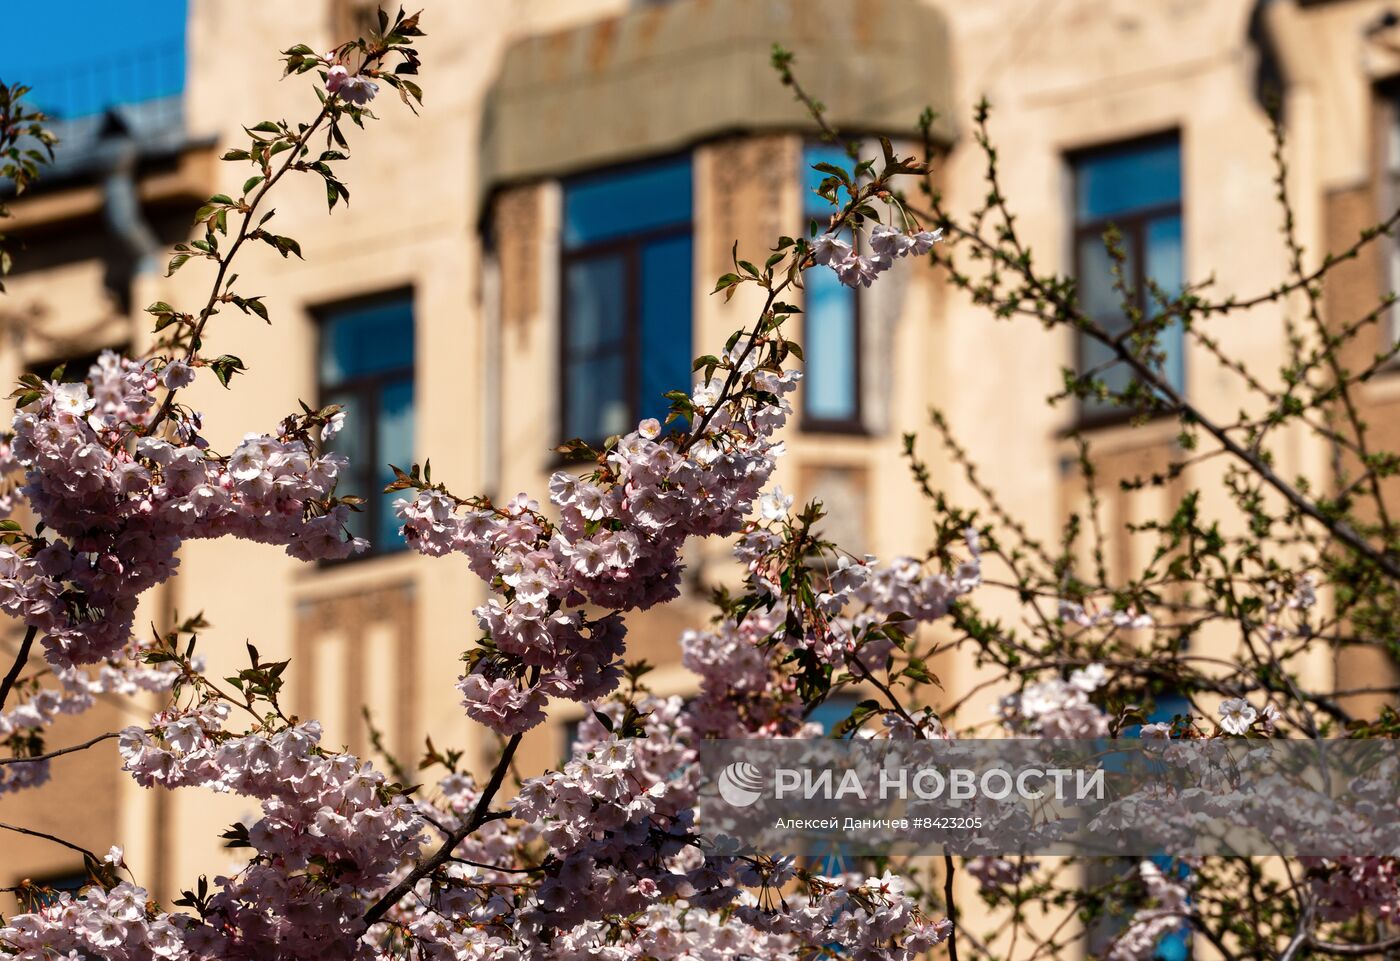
225	366
176	263
728	280
283	245
252	182
826	168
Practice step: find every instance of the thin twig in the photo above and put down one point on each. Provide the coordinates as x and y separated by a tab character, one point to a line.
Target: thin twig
49	837
480	815
61	751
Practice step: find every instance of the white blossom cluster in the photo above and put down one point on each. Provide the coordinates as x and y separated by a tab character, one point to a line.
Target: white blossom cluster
121	501
76	691
886	244
617	546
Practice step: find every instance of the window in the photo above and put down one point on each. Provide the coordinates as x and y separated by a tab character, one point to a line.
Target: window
353	18
75	367
626	304
1174	945
1137	189
45	890
1390	194
831	320
831	712
366	366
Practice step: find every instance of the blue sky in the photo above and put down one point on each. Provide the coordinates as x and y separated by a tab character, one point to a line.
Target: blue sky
82	55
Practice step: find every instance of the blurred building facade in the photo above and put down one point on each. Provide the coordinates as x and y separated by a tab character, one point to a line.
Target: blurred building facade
531	259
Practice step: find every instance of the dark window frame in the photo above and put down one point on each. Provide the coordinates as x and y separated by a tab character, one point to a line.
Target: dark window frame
1386	179
365	391
855	423
76	365
58	882
1132	225
630	246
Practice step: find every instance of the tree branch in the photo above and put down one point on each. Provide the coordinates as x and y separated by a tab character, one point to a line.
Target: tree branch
61	751
49	837
479	816
20	659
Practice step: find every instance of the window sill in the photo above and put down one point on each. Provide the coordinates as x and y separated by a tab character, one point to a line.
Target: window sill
358	566
845	427
1097	421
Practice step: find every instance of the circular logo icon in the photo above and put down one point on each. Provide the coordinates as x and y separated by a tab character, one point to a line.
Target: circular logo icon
741	784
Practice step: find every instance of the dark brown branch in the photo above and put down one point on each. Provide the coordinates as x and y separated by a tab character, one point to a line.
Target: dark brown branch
948	873
1353	950
49	837
20	659
480	815
61	751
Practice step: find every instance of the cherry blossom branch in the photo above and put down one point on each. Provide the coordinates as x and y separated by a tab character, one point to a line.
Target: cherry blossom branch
293	157
331	105
20	659
50	837
110	735
480	815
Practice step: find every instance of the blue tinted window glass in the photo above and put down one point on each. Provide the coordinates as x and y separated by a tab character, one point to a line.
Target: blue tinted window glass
607	206
366	339
353	443
1121	186
627	296
597	301
1126	180
366	366
595	396
1164	266
812	204
832	711
395	438
667	351
829	325
1163	253
1096	291
829	331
